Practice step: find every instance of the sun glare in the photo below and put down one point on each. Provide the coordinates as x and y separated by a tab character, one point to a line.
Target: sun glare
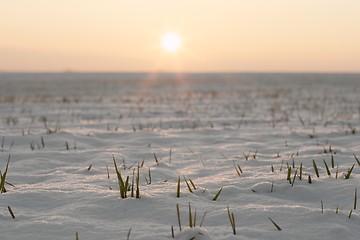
171	42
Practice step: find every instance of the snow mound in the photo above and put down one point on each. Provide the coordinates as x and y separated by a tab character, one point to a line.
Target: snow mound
193	234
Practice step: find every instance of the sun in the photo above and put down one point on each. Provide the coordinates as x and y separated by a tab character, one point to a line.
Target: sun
171	42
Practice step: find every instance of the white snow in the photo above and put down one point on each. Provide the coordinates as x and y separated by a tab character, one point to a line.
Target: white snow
211	123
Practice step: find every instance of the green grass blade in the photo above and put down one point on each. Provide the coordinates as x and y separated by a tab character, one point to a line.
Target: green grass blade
190	217
138	183
327	168
178	215
120	180
355	199
275	224
178	188
357	160
11	212
347	176
217	195
192	184
316	168
156	159
3	177
293	181
188	185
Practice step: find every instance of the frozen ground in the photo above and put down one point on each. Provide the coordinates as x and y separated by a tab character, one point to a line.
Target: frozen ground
57	126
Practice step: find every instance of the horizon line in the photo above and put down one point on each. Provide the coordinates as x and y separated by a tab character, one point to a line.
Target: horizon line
174	72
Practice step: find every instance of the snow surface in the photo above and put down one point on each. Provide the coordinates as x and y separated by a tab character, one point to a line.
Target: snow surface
211	123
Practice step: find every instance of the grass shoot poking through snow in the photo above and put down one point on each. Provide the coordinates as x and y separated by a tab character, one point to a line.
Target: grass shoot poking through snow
347	175
231	220
3	177
275	224
315	168
217	194
178	216
178	188
11	212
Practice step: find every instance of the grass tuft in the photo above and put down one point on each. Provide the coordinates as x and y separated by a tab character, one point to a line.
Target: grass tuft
232	220
187	184
347	176
3	177
122	186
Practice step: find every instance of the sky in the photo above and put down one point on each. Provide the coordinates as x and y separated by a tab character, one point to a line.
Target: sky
216	36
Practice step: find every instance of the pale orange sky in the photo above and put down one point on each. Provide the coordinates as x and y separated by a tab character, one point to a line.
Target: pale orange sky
229	35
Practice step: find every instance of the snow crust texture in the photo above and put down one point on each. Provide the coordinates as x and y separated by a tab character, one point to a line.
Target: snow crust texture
258	138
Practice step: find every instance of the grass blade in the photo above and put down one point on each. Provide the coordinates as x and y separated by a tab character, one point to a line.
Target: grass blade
275	224
190	217
3	178
293	181
355	199
202	220
178	215
357	160
315	168
322	206
120	180
188	185
327	168
137	183
178	188
232	220
11	212
128	235
217	195
192	184
156	159
347	176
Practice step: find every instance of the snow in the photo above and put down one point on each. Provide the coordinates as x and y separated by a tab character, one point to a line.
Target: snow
211	123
